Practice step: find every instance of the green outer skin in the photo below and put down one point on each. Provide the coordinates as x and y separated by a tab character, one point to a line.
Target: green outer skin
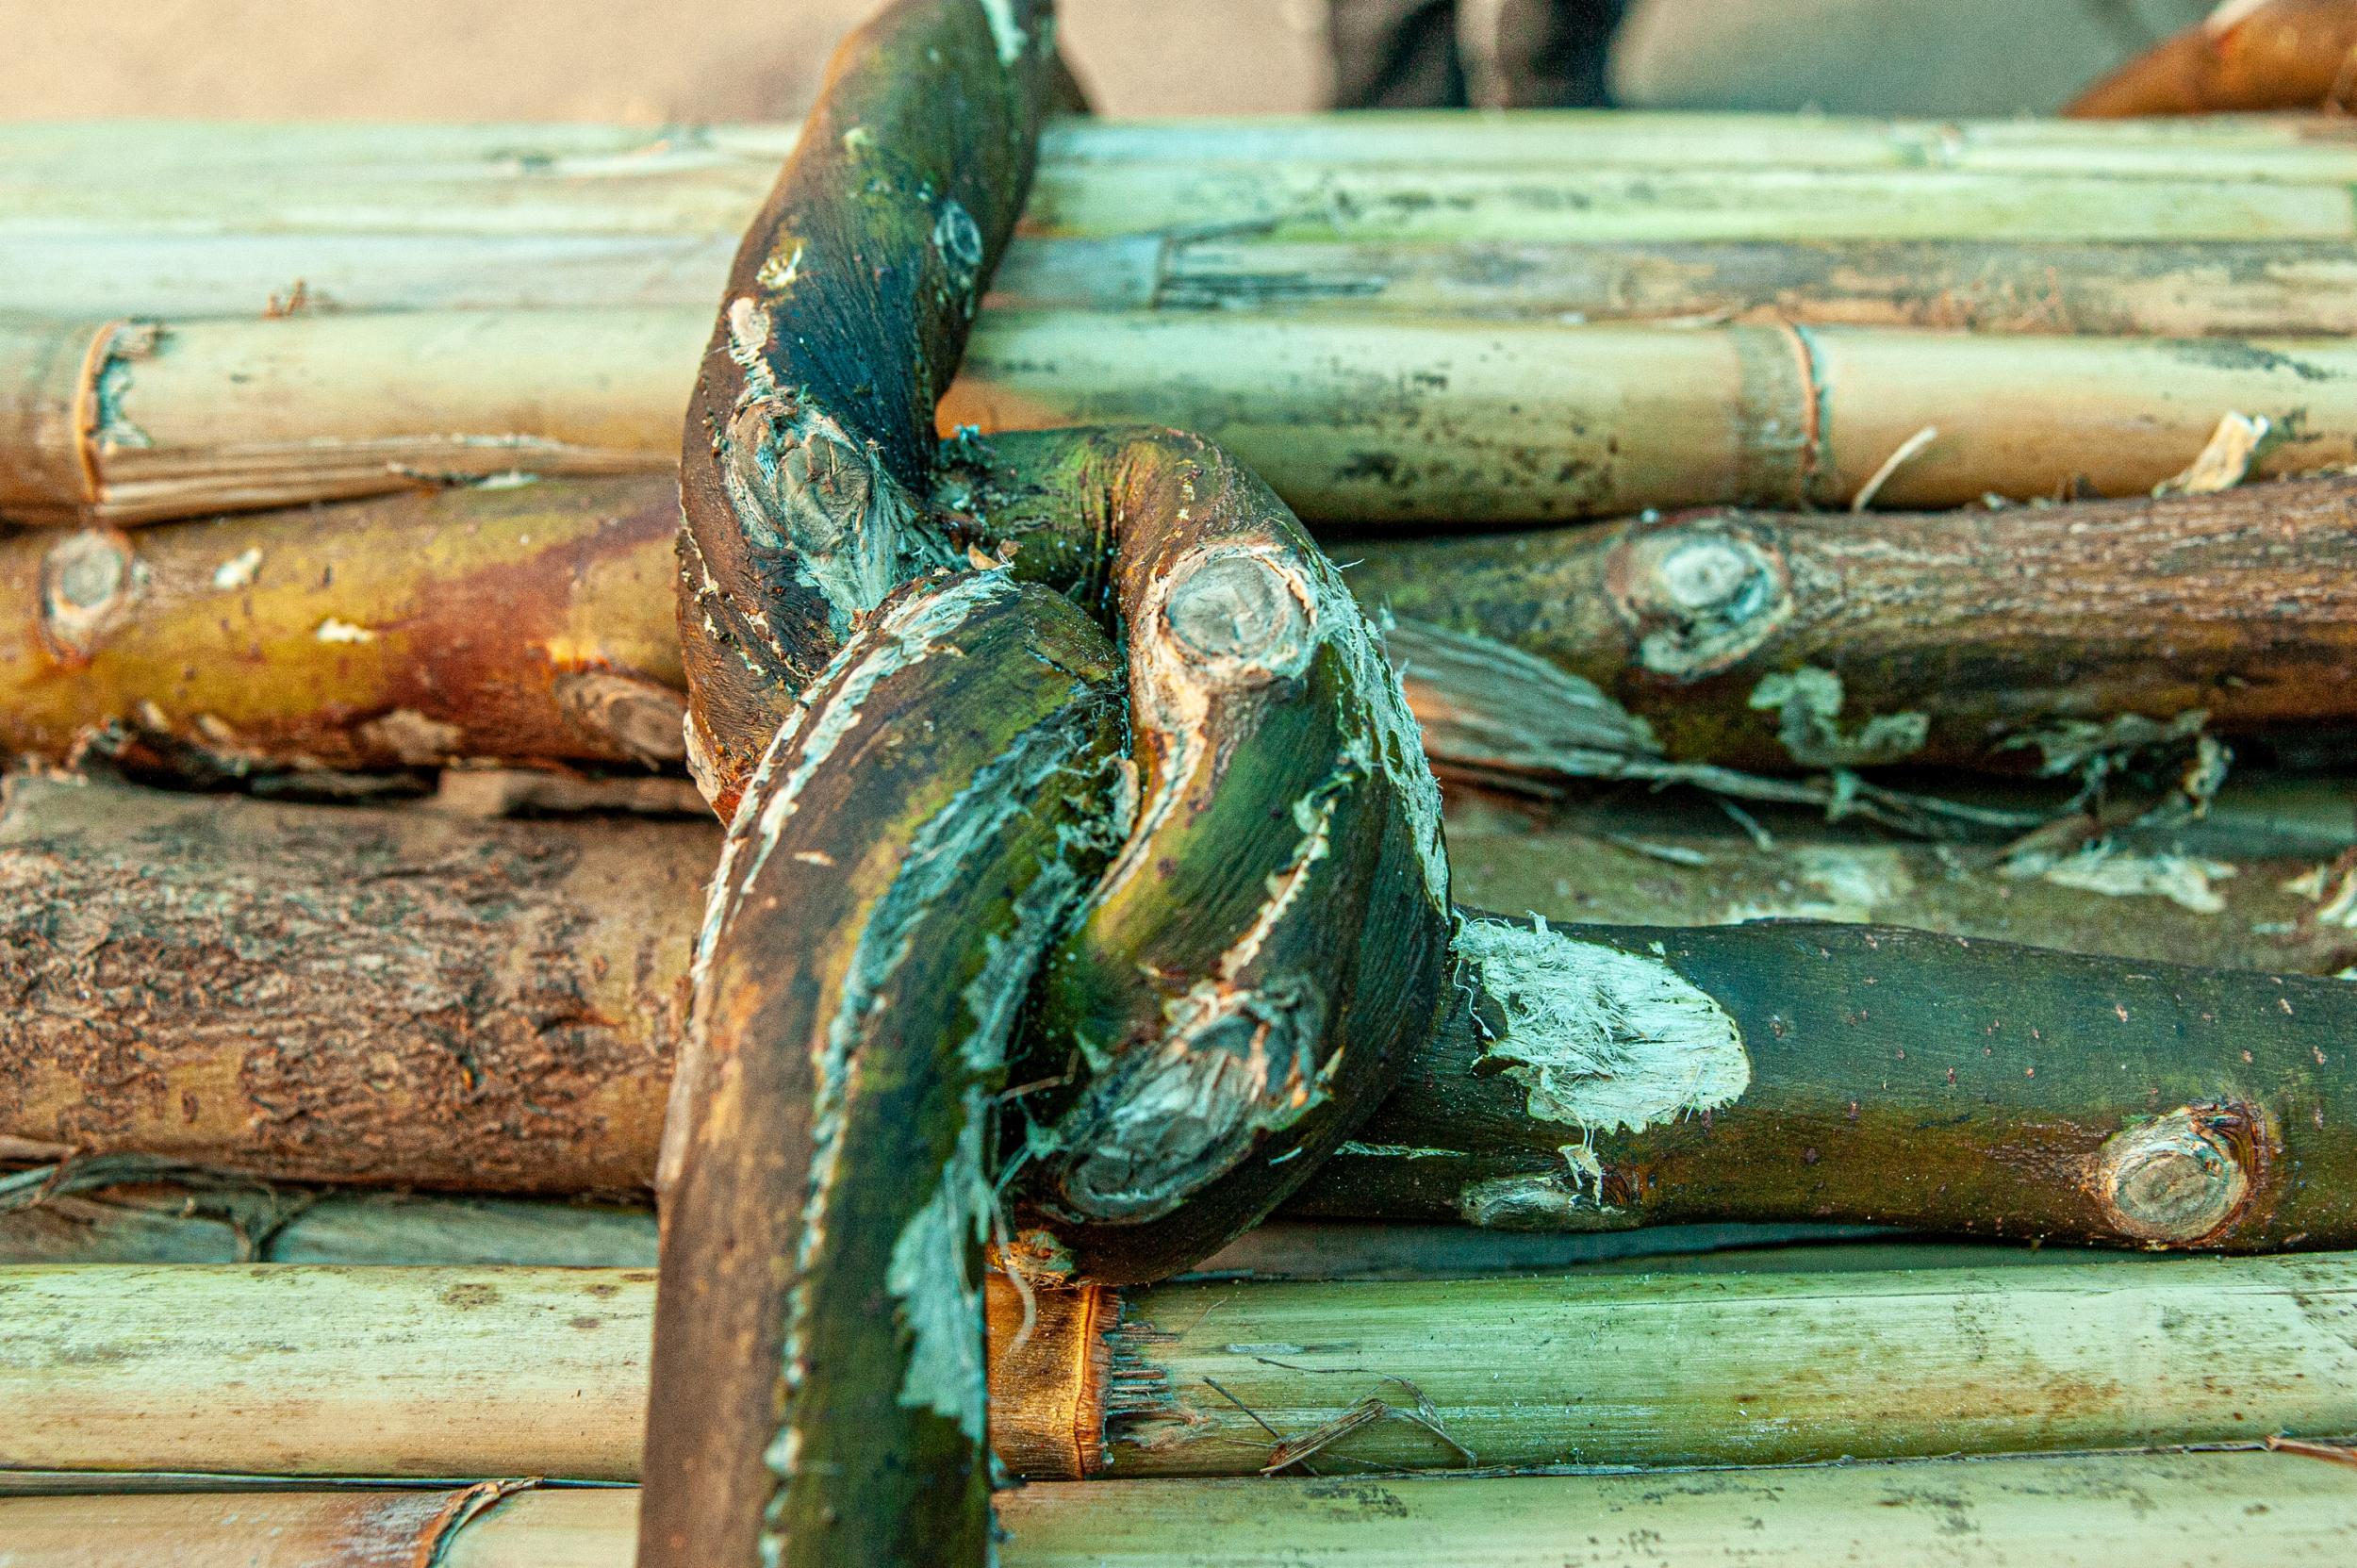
1746	1368
1010	725
1363	938
1902	1078
920	120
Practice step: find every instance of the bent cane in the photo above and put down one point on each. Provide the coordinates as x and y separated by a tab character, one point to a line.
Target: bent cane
1231	1017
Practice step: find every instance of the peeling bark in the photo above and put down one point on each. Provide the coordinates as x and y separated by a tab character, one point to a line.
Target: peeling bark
878	916
1979	639
1903	1078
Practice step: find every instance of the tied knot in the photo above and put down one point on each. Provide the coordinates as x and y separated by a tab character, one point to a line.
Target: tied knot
1078	902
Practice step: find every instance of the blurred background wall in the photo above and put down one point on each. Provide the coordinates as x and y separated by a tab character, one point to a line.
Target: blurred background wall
647	60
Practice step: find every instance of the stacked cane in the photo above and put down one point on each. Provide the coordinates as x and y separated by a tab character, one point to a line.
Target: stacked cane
354	876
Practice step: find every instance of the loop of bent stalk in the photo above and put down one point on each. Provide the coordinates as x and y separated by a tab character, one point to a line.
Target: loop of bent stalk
1248	914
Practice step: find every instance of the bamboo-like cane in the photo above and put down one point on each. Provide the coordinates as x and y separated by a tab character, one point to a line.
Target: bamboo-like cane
1616	176
2246	55
543	1371
1368	421
530	624
1381	422
199	1220
2037	1132
88	1213
362	173
2159	1511
2150	288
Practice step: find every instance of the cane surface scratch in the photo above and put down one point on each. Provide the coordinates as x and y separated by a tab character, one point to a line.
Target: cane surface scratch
1604	1040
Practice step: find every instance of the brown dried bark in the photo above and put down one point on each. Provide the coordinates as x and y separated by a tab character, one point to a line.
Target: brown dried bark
1979	638
552	957
388	996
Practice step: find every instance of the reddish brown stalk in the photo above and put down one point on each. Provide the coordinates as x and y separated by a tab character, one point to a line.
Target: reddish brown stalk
2243	57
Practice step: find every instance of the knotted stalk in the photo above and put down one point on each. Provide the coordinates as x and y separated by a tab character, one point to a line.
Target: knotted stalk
876	921
1276	778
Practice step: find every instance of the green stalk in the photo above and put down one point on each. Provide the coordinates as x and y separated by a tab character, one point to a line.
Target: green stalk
2160	1510
541	1371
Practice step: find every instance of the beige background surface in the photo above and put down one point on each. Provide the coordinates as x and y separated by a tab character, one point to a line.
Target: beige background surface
656	60
648	60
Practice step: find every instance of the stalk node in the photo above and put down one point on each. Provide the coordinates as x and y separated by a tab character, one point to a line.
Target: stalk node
2180	1177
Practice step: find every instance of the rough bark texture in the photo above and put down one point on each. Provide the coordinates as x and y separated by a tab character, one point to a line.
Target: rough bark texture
1979	638
2275	55
374	995
2009	1147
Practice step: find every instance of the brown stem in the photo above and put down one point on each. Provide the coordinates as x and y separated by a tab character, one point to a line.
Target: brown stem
525	624
532	624
386	997
2012	639
2018	1156
2277	54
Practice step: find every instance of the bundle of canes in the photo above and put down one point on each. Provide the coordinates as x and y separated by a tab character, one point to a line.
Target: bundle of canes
989	957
